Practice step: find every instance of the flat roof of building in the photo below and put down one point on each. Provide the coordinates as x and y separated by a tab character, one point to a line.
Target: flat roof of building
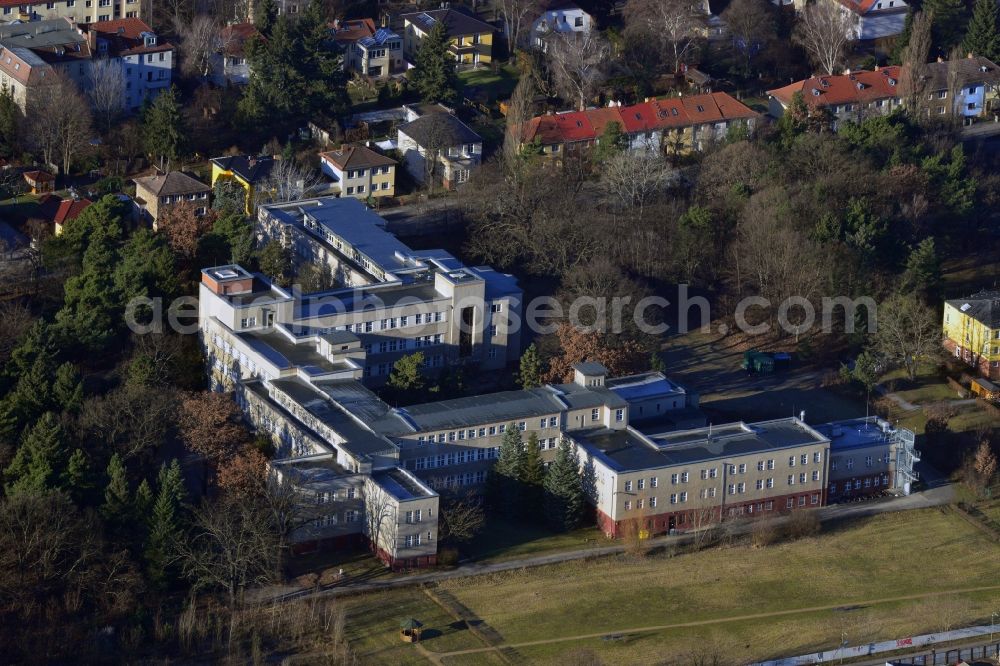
306	470
286	354
860	433
360	441
631	450
644	386
401	485
352	221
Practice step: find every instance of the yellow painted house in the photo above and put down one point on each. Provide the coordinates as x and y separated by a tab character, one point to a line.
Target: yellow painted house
249	171
972	331
471	38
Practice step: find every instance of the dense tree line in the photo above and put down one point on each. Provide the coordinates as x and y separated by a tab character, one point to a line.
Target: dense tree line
103	526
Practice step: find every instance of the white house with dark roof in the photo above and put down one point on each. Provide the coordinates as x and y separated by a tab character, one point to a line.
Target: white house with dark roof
874	19
440	148
559	17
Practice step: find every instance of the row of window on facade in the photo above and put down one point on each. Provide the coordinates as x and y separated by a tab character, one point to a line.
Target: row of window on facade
869	462
869	482
403	344
358	173
459	480
713	472
360	189
324	497
418	319
455	458
331	519
760	507
177	198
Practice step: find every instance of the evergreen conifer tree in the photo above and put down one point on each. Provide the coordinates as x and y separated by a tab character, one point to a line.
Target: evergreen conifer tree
265	17
77	478
163	130
164	524
656	362
67	389
117	503
532	478
435	77
947	24
564	498
982	38
142	502
39	460
530	373
505	478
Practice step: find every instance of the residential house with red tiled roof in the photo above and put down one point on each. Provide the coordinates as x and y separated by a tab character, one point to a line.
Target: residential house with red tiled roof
678	125
966	87
59	212
229	64
146	59
359	171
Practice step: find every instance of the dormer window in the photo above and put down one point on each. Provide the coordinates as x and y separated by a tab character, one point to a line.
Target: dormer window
815	92
673	111
700	108
892	82
860	85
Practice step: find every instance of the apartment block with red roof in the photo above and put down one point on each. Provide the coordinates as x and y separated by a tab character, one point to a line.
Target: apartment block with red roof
850	96
678	125
966	87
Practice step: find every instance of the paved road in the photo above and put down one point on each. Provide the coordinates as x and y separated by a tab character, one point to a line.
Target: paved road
939	494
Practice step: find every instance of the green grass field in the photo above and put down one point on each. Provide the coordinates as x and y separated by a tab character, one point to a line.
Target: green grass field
504	540
851	567
496	85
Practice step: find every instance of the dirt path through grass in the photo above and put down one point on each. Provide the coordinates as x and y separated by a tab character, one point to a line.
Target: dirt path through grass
722	620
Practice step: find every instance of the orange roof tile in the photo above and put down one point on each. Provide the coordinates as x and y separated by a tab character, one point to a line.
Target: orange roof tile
861	86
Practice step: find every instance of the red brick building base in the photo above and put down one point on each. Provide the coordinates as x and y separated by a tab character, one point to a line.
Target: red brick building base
682	521
976	361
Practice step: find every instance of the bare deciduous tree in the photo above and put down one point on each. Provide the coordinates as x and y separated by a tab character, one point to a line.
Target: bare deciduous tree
461	518
824	30
380	524
751	26
515	14
907	332
199	41
577	63
913	79
62	120
636	178
232	546
518	115
131	420
107	90
672	24
286	182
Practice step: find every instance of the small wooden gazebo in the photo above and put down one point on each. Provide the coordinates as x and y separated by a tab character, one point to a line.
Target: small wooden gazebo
409	630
